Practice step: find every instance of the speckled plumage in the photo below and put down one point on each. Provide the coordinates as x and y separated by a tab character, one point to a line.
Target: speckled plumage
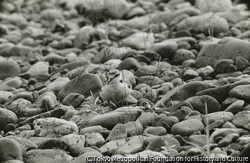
116	89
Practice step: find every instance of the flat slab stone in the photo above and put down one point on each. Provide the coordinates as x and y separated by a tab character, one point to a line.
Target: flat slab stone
226	48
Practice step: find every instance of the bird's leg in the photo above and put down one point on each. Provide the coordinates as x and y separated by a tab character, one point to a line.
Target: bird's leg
112	105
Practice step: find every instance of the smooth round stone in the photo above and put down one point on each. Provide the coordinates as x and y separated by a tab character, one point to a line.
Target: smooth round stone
231	69
155	130
73	99
241	119
136	11
157	144
51	14
162	90
210	22
235	31
139	86
240	92
216	116
143	60
216	124
187	127
53	143
90	152
9	150
16	50
46	155
177	19
188	63
58	84
9	69
7	117
183	33
244	35
72	65
5	96
109	120
150	80
136	94
13	82
169	75
38	68
183	92
241	63
149	93
167	17
194	115
228	125
233	15
198	103
117	8
21	107
190	75
83	84
75	143
82	39
134	128
242	25
94	139
200	140
91	129
221	93
171	141
24	143
228	139
243	140
146	70
137	40
181	55
147	119
222	81
222	132
236	107
166	121
162	66
2	58
222	65
9	127
152	55
106	54
214	5
113	63
53	58
54	127
112	146
164	48
226	48
207	71
182	113
245	152
134	144
118	132
129	63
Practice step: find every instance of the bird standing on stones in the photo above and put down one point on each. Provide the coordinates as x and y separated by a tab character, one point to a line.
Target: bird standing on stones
115	89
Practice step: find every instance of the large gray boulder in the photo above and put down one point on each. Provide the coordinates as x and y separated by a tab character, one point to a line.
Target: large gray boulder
227	48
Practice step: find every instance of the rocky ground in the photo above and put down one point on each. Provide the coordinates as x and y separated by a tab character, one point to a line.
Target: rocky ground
185	65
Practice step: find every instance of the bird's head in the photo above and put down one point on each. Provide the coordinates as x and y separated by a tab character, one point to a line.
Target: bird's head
113	76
